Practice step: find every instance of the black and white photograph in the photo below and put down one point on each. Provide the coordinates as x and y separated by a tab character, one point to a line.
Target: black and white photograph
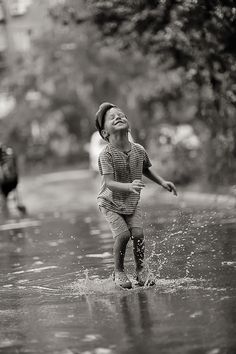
117	177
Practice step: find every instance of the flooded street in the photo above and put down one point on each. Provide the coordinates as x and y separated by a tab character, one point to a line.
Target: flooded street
57	296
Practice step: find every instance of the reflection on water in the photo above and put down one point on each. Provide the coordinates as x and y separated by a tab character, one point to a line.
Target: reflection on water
57	295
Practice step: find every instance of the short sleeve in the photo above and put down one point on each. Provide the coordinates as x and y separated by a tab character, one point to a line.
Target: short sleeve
105	164
146	161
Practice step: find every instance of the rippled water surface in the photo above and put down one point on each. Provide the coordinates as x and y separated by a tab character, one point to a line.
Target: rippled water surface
57	295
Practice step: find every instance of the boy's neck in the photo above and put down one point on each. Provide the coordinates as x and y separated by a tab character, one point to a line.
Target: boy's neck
120	140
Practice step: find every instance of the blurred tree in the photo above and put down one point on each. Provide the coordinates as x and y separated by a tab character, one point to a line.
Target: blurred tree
161	61
190	49
6	25
58	90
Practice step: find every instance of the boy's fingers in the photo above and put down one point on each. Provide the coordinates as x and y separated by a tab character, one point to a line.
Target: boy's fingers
134	191
168	187
140	184
174	191
138	188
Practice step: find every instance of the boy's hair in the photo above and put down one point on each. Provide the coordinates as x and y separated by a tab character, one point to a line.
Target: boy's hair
100	115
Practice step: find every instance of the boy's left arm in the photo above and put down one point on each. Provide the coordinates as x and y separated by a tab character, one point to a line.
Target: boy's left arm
159	180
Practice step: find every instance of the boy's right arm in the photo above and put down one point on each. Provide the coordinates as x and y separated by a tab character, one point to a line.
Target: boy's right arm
135	187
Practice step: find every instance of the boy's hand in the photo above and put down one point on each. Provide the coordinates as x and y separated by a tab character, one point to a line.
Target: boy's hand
136	186
169	186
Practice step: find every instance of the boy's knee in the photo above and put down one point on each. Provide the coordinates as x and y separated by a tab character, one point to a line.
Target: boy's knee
137	233
123	236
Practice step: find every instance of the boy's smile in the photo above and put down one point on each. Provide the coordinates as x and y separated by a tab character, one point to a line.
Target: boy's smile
120	121
115	121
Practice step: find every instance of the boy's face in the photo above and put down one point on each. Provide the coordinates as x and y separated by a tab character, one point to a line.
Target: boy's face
115	120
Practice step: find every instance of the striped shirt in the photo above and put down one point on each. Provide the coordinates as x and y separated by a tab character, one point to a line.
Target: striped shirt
125	167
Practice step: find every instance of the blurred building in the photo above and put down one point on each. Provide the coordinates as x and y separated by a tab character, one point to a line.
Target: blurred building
20	22
27	18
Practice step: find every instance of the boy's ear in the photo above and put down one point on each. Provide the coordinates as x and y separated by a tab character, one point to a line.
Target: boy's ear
104	134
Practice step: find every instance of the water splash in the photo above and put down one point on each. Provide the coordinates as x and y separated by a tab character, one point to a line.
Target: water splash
92	285
186	246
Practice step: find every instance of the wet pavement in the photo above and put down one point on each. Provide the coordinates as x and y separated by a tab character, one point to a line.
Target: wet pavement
56	291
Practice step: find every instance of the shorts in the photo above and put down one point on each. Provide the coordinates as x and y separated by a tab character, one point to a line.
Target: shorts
8	186
120	223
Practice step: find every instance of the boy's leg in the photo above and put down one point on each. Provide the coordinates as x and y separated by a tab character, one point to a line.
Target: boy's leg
135	223
119	249
121	235
142	275
136	228
138	247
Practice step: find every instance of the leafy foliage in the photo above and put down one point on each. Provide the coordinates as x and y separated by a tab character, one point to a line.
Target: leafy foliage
192	44
163	61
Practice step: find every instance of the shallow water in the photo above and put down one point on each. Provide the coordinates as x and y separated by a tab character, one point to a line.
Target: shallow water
57	295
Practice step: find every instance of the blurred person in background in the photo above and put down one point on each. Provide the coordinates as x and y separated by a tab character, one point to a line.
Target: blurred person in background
95	147
9	179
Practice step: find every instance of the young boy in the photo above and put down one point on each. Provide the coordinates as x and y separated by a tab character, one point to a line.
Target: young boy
122	164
